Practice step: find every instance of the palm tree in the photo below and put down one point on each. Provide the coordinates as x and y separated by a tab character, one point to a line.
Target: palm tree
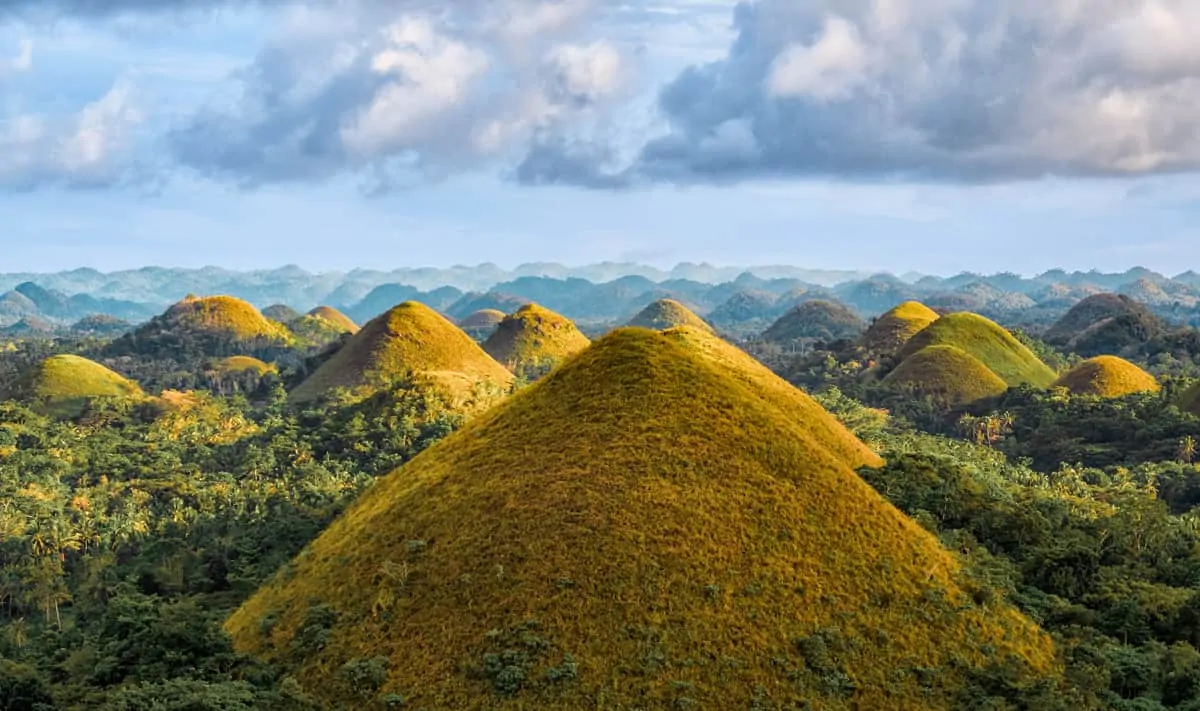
1186	451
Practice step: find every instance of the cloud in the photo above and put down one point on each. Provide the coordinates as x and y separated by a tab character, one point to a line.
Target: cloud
390	93
944	90
22	61
90	149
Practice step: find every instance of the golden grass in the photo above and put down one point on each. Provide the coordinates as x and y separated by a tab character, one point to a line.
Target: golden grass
484	318
242	364
1107	376
988	342
893	329
639	530
534	339
668	313
62	385
222	316
411	339
341	321
948	375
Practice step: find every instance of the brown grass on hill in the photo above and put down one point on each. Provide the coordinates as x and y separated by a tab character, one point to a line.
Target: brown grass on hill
327	313
892	330
988	342
411	340
533	340
948	375
223	316
640	530
668	313
1107	377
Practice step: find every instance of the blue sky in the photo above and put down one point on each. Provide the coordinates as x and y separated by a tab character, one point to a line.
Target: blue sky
922	135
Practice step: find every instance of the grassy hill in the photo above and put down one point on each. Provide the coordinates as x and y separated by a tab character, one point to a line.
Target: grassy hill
482	324
335	317
1104	322
411	339
892	330
1107	376
281	313
62	385
818	319
947	374
667	313
639	530
993	346
213	325
533	340
322	326
242	364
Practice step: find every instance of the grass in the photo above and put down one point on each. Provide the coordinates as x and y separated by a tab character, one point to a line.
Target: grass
893	329
411	339
223	316
947	374
482	319
339	320
62	385
641	529
533	340
993	346
242	364
815	319
668	313
1107	377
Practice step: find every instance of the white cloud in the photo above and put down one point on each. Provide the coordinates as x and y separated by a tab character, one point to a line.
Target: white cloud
22	61
828	69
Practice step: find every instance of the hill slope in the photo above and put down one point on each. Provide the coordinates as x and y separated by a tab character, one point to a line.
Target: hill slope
819	319
1114	313
533	340
335	317
410	339
993	346
948	375
62	385
892	330
212	325
1107	376
667	313
637	530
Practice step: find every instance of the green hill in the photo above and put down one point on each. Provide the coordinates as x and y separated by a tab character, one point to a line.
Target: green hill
216	326
947	374
818	319
993	346
1091	311
62	385
892	330
668	313
335	317
482	324
322	326
1107	376
281	313
641	529
533	340
1105	324
409	340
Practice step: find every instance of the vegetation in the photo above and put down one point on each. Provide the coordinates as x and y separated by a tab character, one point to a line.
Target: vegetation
946	374
321	327
983	339
819	320
604	564
668	313
411	340
63	385
1107	376
889	332
214	326
532	340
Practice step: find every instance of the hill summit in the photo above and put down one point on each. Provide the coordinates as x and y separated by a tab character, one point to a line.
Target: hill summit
212	325
668	313
409	340
482	324
62	385
989	343
1107	376
338	319
640	529
892	330
533	339
948	375
817	319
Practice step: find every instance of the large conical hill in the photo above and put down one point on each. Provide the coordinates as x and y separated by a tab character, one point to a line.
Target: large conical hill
988	342
638	530
668	313
533	339
816	319
948	375
892	330
1107	376
62	385
409	340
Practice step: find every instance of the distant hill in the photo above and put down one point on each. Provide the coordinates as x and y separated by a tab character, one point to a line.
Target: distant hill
667	313
62	385
985	340
820	320
891	331
281	313
1107	376
491	301
946	374
532	340
607	538
321	326
215	326
409	340
1105	324
482	323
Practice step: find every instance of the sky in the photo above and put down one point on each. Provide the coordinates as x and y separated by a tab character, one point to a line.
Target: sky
934	136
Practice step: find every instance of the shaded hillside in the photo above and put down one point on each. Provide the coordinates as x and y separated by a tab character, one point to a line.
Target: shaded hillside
532	340
481	324
893	329
948	375
410	340
281	313
62	385
1104	323
819	320
491	301
993	346
1107	376
667	313
638	530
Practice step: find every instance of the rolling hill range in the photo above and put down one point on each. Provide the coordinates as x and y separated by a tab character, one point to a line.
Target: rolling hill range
986	341
644	528
411	339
